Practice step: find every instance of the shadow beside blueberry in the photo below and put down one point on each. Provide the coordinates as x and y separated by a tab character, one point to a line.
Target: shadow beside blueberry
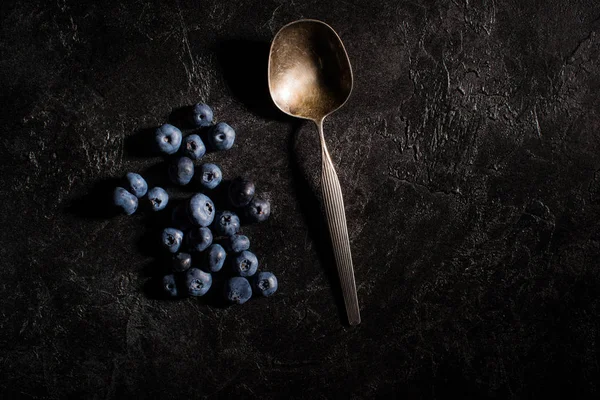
219	194
141	143
158	174
153	289
98	202
181	117
158	267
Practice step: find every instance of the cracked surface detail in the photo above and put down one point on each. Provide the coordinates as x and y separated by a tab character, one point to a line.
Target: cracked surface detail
469	160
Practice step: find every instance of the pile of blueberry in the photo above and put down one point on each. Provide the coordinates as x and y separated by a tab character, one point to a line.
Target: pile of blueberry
196	224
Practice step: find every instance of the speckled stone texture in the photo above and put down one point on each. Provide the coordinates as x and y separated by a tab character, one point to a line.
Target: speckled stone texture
469	157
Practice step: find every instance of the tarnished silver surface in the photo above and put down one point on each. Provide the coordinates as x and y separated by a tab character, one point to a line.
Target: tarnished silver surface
310	77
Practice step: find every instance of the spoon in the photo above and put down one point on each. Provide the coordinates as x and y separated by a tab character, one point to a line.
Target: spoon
310	77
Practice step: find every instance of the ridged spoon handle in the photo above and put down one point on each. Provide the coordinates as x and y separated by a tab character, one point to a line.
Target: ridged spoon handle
336	220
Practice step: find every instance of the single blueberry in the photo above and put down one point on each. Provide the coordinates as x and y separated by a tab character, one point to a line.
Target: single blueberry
201	210
238	243
127	202
171	239
181	171
265	283
226	223
181	262
245	263
158	198
180	217
258	210
198	282
169	286
199	239
216	257
238	290
221	136
136	184
168	139
193	147
210	176
202	115
241	192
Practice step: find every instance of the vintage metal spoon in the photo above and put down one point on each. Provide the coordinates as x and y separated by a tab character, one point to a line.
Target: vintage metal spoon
310	77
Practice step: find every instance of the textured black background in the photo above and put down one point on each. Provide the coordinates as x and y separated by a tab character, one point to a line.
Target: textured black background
469	160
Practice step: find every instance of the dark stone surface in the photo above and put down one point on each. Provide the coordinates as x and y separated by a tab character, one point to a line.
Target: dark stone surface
469	159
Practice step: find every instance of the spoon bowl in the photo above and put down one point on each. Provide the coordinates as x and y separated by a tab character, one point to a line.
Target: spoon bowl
310	77
309	72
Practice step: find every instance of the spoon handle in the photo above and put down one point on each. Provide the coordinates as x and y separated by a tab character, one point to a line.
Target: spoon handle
336	220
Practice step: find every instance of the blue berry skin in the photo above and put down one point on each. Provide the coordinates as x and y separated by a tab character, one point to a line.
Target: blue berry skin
169	286
127	202
238	290
258	210
216	257
181	262
226	223
136	184
201	210
158	198
197	282
202	115
168	139
181	171
265	283
239	243
171	239
199	239
210	176
221	136
241	192
245	263
193	147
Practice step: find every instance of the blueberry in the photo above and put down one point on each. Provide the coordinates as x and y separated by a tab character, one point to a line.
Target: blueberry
198	282
136	184
181	262
202	115
221	136
171	239
199	239
181	171
216	257
193	147
265	283
245	263
169	286
125	201
158	198
180	218
201	210
167	139
258	210
226	223
241	191
210	176
238	290
238	243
